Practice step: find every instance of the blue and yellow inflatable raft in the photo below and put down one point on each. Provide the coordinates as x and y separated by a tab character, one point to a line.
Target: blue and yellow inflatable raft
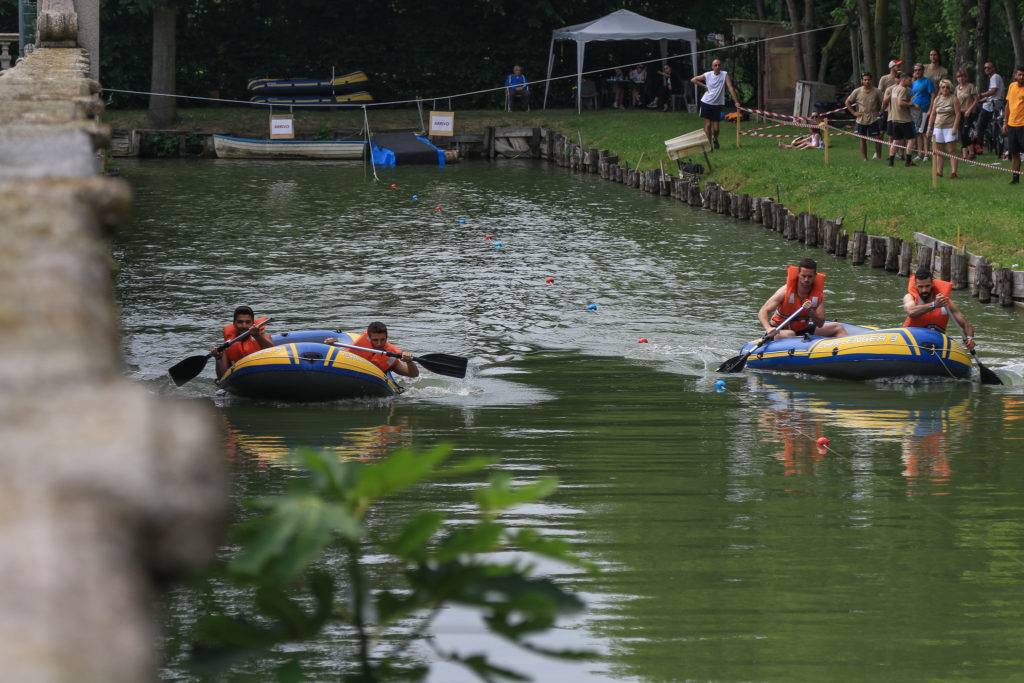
300	367
866	353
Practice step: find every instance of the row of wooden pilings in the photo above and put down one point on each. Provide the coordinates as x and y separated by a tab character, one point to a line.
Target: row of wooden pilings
889	253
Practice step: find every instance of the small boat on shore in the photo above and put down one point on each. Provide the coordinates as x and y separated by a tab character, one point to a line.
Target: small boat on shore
293	87
231	147
866	353
314	100
301	368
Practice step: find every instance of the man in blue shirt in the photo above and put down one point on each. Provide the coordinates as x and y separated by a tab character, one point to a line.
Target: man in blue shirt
921	99
518	89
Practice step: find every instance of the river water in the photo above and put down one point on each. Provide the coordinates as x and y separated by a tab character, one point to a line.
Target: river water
731	548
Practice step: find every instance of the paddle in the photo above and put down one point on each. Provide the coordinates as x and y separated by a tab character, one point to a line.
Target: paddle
736	363
190	368
987	376
441	363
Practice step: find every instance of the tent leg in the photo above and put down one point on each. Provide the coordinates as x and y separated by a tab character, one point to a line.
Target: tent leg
708	161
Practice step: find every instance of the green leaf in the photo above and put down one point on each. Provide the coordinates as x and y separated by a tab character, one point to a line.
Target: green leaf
399	471
554	548
482	537
289	672
466	467
411	542
501	495
275	604
479	665
331	476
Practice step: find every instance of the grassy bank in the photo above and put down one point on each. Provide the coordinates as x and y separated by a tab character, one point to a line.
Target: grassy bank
894	201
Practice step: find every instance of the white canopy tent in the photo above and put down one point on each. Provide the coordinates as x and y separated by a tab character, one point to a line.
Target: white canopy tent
619	25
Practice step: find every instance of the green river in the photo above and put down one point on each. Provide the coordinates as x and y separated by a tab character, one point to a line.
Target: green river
731	548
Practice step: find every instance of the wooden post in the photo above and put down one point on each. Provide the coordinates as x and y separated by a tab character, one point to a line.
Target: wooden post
810	230
535	143
935	167
860	247
738	117
959	274
842	243
824	138
878	245
801	227
945	262
893	245
983	276
792	223
924	257
906	255
1005	287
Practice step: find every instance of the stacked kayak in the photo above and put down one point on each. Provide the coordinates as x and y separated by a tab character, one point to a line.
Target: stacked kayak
350	88
300	367
866	353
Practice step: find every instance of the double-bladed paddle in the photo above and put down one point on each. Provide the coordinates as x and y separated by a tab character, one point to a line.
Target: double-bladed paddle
987	376
441	363
736	363
190	368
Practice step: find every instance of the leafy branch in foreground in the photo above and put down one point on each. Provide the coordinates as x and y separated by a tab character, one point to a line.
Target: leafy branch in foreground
295	598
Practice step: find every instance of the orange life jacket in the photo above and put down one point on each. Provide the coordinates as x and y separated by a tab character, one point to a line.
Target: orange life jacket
939	317
792	301
237	352
383	362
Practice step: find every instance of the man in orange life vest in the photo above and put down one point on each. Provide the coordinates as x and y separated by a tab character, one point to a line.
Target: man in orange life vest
804	288
376	336
242	321
927	304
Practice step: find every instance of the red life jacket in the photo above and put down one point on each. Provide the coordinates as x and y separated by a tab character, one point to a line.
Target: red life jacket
939	317
240	350
382	361
792	301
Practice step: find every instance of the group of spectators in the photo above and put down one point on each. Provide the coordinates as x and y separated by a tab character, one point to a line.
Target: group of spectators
922	104
645	85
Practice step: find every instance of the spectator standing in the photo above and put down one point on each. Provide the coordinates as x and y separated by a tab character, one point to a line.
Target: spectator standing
884	83
922	91
518	89
943	123
666	85
1013	127
716	81
967	97
619	81
934	71
869	105
991	100
901	124
638	74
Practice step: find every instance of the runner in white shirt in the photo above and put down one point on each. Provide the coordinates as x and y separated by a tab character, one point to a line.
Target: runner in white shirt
716	81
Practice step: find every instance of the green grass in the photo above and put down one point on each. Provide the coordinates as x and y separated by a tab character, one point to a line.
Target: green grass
895	201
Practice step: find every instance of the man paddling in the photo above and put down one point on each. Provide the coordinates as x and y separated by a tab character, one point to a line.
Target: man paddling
242	320
376	337
804	288
927	304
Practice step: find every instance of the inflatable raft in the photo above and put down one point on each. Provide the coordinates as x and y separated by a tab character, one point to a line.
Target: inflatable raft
300	367
866	353
294	87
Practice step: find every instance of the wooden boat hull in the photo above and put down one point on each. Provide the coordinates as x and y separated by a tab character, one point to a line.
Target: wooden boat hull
231	147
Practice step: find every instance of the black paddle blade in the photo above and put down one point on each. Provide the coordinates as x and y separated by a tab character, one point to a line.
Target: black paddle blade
987	376
444	364
734	364
188	369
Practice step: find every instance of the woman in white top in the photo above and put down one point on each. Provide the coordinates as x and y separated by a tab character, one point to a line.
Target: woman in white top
943	123
716	81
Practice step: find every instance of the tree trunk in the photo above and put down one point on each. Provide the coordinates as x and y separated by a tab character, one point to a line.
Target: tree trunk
963	38
867	43
761	14
810	40
882	34
1013	20
837	33
981	43
908	36
854	52
798	43
163	111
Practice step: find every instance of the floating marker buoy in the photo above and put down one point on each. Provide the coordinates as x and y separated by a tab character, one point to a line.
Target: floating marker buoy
437	209
644	340
720	385
591	307
415	197
823	442
488	238
393	186
498	244
462	221
549	280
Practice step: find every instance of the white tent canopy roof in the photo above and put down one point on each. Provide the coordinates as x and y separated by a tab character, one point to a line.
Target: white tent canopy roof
619	25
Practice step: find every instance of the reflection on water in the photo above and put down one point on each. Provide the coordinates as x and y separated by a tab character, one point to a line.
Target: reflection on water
735	548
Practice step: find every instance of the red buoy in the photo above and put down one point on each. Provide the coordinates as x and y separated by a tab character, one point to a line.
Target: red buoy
437	209
549	280
488	237
642	340
823	442
393	186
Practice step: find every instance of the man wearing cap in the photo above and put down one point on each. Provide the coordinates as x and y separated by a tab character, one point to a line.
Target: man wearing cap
884	83
901	125
927	304
922	91
991	100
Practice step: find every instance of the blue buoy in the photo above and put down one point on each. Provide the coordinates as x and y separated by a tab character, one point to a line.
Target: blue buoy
720	385
591	307
415	197
462	221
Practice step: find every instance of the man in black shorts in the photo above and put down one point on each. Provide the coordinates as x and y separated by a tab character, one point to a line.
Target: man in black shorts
716	81
869	103
1013	126
901	125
